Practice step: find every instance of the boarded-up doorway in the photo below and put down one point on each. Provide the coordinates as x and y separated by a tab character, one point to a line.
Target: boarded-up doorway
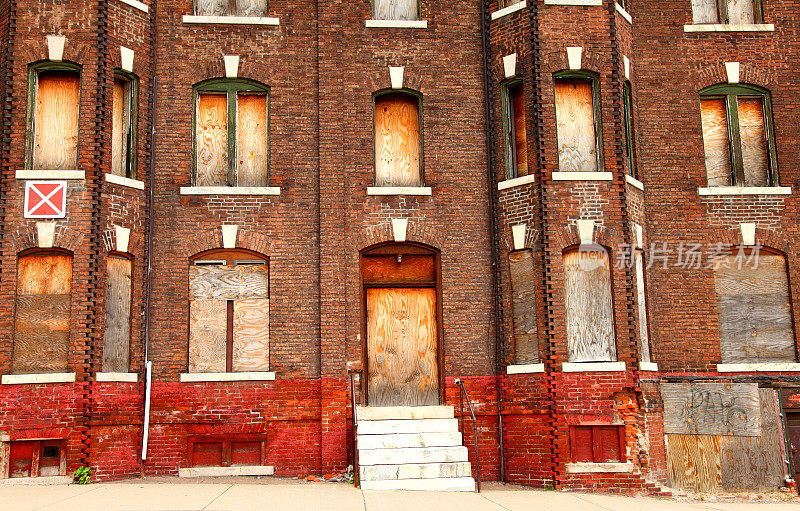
401	327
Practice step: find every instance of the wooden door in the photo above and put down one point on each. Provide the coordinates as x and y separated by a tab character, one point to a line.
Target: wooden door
401	347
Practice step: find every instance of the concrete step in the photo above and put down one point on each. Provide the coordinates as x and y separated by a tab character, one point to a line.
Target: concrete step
393	440
379	413
415	471
385	427
412	455
439	484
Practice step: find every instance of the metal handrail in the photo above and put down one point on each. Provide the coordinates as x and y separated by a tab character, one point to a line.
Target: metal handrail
355	424
463	393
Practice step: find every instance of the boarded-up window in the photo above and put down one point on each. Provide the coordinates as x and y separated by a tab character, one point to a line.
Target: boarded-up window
230	7
630	139
704	11
523	301
235	450
715	141
736	12
755	318
41	326
395	9
36	458
228	317
516	145
55	120
588	303
597	444
641	303
123	130
575	117
752	131
397	140
741	12
231	138
116	347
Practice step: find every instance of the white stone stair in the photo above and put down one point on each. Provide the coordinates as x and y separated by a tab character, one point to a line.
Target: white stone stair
412	448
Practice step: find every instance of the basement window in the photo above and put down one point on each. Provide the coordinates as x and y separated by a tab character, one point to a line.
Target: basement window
733	12
398	140
53	117
516	147
116	346
123	130
578	122
231	134
738	137
597	444
249	8
406	10
229	313
220	451
37	458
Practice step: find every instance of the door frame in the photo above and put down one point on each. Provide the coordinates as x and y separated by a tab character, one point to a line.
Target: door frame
401	248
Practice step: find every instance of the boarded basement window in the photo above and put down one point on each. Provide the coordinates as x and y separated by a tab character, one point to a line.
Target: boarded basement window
588	304
55	120
397	140
514	122
123	131
395	9
116	347
523	301
735	12
755	313
230	8
597	444
219	451
229	315
37	458
576	125
41	327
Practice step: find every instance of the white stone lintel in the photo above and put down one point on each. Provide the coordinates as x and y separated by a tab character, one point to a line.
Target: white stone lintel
525	368
719	27
592	367
55	47
243	376
137	4
49	174
126	56
256	470
399	190
517	181
760	367
574	57
505	11
748	231
229	235
232	20
231	65
583	3
230	190
123	236
634	182
518	233
45	234
585	231
396	76
399	229
20	379
732	71
626	64
648	366
124	181
510	65
745	190
117	377
622	12
582	176
594	468
396	23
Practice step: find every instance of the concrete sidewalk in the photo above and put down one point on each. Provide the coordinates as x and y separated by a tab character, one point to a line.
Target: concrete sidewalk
281	494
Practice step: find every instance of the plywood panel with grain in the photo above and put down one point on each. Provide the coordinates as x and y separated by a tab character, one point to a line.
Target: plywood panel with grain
517	98
217	282
250	7
588	306
523	301
753	133
211	150
641	304
397	141
577	142
251	334
711	408
401	347
251	140
44	274
395	9
716	143
741	12
386	269
208	322
704	11
211	7
693	462
116	345
56	121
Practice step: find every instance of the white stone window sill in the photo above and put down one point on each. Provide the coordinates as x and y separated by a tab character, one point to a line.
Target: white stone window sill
634	182
251	470
50	174
765	367
722	27
243	376
648	366
745	190
505	11
525	368
126	377
124	181
594	468
592	367
46	480
396	23
585	3
135	3
625	14
21	379
517	181
582	176
399	190
230	190
233	20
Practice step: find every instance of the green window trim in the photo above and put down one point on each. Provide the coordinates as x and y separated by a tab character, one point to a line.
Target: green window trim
132	156
509	127
33	83
418	95
594	79
230	87
630	135
730	93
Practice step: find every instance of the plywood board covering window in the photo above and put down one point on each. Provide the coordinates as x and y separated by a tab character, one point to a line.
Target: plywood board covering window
597	444
116	346
229	318
36	458
575	118
736	12
715	141
588	304
755	158
755	317
641	305
251	139
55	123
397	140
395	9
741	12
212	140
523	301
42	314
516	144
122	130
704	11
230	7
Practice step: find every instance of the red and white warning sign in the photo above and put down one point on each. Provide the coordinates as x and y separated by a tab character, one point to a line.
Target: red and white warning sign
45	199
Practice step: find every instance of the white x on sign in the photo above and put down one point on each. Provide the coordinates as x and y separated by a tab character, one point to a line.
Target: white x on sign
45	199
